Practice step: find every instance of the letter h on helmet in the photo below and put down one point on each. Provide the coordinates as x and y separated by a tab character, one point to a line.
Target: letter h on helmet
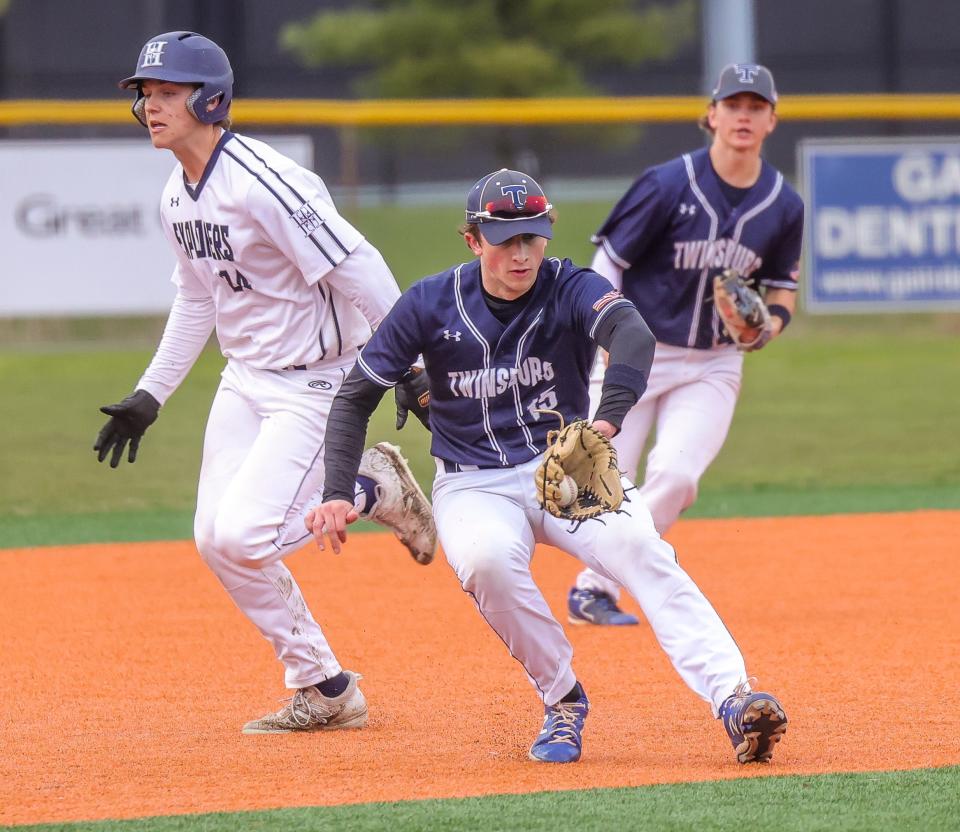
185	58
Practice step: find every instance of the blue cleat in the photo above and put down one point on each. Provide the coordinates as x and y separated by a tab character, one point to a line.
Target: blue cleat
559	738
755	723
587	606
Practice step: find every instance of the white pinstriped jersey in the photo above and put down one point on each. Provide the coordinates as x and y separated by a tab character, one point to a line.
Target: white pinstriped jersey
675	229
258	234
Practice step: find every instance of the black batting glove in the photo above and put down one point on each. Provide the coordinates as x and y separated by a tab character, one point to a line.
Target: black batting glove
129	420
413	396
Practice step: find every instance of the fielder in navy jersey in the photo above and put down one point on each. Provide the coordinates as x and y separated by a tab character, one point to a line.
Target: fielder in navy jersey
503	338
475	360
677	226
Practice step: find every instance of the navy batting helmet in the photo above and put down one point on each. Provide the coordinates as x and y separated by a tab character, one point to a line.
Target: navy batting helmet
185	58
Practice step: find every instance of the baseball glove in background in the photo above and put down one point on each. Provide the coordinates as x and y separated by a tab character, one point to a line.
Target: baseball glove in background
578	478
412	395
742	310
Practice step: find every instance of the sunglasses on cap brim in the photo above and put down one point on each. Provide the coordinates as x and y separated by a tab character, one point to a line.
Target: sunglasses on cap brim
504	209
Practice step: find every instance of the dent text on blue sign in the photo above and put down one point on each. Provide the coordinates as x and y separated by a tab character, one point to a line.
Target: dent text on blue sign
882	225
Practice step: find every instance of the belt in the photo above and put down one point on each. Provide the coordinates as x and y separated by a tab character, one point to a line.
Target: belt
455	467
316	365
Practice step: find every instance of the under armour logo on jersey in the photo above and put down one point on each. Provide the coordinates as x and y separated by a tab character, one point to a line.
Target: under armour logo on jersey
747	73
174	201
448	335
308	219
516	194
153	53
685	209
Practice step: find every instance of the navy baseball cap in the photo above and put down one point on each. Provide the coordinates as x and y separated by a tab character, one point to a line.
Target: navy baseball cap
506	203
737	78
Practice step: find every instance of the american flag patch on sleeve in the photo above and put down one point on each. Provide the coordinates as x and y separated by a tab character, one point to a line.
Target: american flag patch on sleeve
607	299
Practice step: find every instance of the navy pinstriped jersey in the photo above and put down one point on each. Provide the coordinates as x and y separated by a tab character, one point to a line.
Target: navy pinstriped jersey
674	230
259	234
487	380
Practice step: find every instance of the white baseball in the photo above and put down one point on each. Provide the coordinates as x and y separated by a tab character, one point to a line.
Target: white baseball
568	491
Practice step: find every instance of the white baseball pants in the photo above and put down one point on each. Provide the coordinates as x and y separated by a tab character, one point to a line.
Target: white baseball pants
691	398
488	523
262	468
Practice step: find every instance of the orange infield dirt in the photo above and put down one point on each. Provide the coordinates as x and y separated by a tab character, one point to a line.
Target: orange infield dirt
127	673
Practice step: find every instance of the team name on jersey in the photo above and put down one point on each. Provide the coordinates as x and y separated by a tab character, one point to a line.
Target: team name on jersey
200	239
492	381
715	254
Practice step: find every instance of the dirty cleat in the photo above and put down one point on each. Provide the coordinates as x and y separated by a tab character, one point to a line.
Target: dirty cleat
401	506
559	739
587	606
755	723
310	710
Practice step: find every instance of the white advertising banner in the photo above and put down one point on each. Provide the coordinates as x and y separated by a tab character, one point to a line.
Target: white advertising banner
80	226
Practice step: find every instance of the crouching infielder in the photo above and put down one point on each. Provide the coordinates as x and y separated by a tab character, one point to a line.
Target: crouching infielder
504	338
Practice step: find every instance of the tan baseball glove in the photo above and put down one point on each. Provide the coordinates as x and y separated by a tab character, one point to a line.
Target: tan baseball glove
578	478
742	311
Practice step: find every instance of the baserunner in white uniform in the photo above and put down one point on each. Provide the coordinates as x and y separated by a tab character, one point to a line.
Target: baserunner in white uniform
677	226
293	291
503	338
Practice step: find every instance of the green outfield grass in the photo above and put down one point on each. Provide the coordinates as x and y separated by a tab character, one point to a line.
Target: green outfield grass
906	801
839	415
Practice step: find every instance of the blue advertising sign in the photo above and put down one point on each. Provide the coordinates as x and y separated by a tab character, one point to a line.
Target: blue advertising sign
882	225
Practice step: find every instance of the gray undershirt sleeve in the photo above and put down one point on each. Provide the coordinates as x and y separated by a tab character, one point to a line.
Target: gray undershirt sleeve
627	338
346	433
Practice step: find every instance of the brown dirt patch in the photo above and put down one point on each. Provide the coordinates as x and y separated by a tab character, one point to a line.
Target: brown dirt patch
127	673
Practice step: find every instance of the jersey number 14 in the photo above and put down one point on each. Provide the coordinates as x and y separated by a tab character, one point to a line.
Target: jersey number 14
238	283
